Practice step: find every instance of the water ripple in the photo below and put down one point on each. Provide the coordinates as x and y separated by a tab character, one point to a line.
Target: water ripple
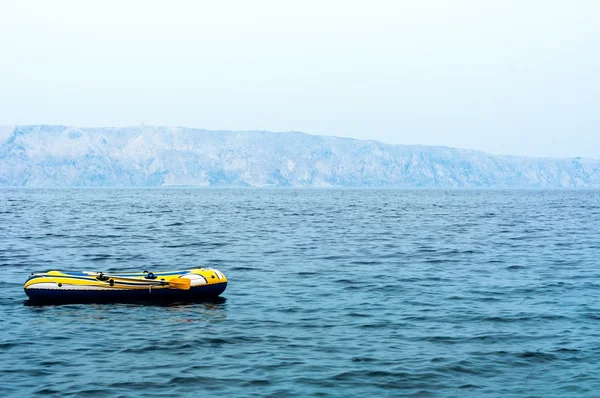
333	293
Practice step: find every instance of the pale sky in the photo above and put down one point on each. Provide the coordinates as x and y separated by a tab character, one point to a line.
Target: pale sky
513	77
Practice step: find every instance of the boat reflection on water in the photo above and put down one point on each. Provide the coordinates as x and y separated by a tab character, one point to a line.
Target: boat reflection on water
207	310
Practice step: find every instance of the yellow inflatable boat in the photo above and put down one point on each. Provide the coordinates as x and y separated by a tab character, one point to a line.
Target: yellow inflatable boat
76	287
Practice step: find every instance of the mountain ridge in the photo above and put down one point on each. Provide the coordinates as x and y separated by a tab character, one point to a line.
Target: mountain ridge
55	155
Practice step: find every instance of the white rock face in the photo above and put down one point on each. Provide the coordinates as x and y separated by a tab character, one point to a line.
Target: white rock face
155	156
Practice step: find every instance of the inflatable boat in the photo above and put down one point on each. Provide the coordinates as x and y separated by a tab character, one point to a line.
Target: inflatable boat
79	287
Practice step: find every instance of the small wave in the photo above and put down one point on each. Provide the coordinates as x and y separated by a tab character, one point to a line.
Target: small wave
435	261
537	356
196	244
156	348
469	386
567	350
359	315
361	375
347	281
364	359
440	339
242	268
257	383
470	370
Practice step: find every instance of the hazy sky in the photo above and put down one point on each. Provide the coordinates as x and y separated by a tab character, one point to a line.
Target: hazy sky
518	77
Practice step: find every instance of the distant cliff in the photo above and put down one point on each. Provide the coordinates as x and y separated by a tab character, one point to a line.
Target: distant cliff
160	156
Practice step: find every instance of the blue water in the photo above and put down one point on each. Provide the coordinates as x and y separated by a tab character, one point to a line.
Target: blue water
332	293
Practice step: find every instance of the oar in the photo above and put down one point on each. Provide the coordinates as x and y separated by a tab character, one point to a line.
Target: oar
179	283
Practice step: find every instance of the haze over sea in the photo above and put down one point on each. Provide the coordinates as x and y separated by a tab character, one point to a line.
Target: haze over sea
333	292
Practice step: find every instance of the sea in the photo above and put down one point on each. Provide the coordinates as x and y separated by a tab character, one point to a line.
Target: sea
332	293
